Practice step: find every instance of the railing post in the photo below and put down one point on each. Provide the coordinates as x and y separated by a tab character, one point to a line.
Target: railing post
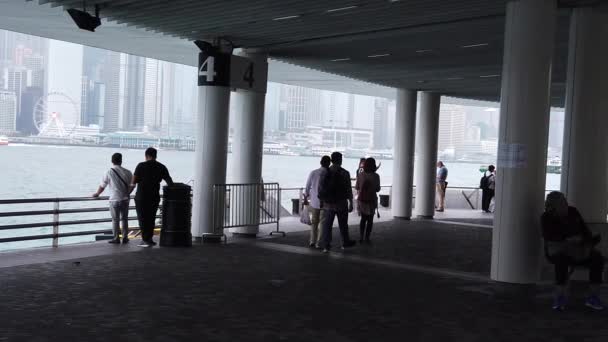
56	223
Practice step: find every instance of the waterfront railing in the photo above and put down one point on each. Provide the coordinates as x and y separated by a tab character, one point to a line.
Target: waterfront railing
52	218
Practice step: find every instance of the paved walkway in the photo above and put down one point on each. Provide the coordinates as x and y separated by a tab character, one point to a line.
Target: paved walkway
420	281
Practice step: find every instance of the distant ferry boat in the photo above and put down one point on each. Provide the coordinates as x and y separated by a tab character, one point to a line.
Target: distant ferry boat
3	140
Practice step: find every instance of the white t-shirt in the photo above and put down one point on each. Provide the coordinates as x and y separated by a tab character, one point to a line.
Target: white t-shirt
119	190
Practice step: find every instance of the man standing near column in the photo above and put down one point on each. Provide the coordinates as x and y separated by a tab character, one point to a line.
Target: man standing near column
336	195
147	177
442	175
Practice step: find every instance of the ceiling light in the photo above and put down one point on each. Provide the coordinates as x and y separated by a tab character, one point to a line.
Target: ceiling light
474	45
286	18
489	76
340	60
341	9
380	55
454	78
421	81
423	50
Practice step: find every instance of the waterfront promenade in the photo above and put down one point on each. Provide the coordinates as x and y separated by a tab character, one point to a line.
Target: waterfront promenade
419	281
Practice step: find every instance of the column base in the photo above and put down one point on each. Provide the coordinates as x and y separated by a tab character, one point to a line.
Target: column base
245	235
209	238
425	217
405	218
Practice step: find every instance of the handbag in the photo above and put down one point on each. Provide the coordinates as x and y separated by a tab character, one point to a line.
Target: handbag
305	215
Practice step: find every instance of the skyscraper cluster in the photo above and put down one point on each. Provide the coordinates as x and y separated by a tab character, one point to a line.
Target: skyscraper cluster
22	79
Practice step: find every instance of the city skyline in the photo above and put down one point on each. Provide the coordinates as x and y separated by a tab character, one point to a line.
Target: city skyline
114	92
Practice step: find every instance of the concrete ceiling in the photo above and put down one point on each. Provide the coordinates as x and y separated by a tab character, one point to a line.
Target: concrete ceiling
452	47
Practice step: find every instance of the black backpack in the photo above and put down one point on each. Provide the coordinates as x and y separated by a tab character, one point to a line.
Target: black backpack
484	182
330	187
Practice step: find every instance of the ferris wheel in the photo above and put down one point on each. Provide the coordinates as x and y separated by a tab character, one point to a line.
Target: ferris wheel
56	114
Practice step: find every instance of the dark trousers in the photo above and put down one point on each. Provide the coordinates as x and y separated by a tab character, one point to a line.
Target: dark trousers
366	225
486	198
146	215
330	214
562	262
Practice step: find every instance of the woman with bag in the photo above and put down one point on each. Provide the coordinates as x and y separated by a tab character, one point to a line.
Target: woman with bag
367	185
568	243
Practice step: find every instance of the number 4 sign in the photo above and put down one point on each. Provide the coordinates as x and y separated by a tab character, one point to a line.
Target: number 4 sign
213	69
248	74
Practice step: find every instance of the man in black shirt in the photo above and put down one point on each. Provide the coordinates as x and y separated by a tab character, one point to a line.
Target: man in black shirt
147	177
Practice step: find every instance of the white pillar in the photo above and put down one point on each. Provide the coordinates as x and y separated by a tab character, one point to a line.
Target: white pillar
427	133
403	163
585	151
248	143
522	144
210	156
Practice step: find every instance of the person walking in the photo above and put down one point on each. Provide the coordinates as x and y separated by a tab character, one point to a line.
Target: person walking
336	197
441	184
117	179
367	185
147	178
488	186
311	195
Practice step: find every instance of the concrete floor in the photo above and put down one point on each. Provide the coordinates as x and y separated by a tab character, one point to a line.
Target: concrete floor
419	281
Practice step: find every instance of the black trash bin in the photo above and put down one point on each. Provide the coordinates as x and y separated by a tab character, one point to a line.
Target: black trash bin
384	200
176	216
295	206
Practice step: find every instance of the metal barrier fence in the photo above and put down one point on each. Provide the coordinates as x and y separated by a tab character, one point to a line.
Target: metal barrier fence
245	205
55	222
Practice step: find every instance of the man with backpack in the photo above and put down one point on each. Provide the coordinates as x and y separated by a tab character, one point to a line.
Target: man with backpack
336	197
488	185
118	179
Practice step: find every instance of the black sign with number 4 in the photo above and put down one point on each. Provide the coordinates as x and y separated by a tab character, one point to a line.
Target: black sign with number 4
213	69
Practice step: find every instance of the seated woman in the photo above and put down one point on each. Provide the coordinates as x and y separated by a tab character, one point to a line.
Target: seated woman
569	242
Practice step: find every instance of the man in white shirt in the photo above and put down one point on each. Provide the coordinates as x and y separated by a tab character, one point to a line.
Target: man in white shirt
311	194
118	180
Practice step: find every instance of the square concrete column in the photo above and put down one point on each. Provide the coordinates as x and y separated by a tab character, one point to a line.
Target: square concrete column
403	163
585	153
522	143
427	135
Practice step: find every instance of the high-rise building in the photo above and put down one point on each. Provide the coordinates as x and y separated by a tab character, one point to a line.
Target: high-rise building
168	99
272	107
135	71
35	64
452	127
111	80
350	111
380	123
8	112
314	114
296	108
16	79
153	95
302	107
65	78
93	61
25	119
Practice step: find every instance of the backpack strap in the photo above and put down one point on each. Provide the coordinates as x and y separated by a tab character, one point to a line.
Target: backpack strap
121	180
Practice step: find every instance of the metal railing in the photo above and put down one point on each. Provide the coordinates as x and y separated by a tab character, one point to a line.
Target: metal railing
245	205
55	222
460	197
